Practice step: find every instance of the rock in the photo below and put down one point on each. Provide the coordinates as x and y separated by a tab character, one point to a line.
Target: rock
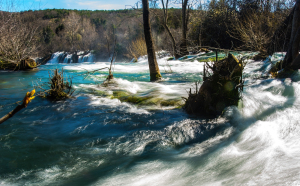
75	58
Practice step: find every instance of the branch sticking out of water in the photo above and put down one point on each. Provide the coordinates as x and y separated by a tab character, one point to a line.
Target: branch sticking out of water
28	97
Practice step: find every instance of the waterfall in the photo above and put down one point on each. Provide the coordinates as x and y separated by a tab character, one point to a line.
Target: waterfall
55	57
86	58
68	58
65	57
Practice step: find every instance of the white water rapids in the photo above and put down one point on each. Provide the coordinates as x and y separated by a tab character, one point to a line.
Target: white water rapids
96	140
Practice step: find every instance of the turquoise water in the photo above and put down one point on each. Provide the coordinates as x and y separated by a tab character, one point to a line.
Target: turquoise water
93	139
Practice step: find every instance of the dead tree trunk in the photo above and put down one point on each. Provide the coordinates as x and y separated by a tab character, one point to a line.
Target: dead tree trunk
185	18
153	66
293	49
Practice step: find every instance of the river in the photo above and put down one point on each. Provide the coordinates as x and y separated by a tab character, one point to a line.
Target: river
93	139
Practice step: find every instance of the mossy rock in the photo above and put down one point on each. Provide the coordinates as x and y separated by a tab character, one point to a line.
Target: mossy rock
171	102
211	59
134	99
170	58
151	101
118	94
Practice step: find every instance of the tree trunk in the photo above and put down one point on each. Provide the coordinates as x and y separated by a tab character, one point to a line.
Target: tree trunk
280	38
165	5
153	66
175	53
185	17
293	50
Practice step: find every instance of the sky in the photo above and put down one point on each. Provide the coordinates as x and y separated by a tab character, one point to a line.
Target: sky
22	5
66	4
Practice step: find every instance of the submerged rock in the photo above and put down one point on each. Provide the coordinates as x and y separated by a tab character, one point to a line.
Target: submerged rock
220	90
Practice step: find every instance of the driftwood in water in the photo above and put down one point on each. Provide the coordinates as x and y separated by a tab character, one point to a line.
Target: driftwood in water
59	87
29	96
220	90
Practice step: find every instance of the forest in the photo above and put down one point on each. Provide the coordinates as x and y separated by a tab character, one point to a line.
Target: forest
227	24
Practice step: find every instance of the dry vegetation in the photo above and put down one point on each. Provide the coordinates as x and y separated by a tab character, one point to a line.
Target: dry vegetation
231	24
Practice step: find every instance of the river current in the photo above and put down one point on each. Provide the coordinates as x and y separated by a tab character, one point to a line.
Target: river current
93	139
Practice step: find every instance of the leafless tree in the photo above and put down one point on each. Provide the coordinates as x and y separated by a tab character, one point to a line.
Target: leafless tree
72	28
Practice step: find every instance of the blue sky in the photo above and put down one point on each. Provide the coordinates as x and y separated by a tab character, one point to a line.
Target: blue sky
70	4
21	5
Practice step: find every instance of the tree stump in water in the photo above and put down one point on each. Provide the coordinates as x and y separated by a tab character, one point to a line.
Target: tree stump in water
24	64
60	88
220	90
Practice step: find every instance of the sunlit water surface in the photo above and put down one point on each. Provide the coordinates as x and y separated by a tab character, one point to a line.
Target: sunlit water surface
95	140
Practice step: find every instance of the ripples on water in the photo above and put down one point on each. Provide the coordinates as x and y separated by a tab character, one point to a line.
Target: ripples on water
95	140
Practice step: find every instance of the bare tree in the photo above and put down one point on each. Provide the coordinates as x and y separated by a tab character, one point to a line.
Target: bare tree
165	4
251	32
17	39
72	28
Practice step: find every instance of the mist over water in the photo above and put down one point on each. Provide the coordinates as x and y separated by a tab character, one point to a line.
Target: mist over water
93	139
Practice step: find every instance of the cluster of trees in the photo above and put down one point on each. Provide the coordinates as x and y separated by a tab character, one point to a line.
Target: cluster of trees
232	24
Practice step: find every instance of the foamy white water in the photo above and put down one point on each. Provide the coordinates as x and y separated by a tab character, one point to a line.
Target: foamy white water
96	140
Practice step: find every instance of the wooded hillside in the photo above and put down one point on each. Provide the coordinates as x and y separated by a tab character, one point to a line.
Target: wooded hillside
231	24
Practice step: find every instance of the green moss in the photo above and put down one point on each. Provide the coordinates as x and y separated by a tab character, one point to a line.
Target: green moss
151	101
56	95
209	59
5	65
171	58
101	93
134	99
171	102
119	94
155	76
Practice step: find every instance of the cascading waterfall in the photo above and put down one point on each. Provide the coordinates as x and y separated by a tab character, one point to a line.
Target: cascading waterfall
97	139
63	57
86	58
55	58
